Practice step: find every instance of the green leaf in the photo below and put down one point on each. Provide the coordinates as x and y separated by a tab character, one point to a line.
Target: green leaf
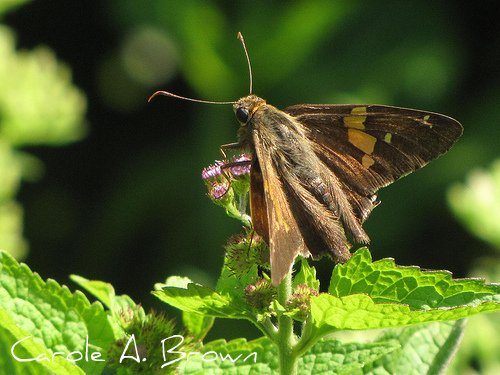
30	348
12	171
425	349
477	203
306	275
336	357
228	301
234	285
123	309
479	347
101	290
359	311
49	312
177	281
326	357
386	282
234	357
9	366
198	325
11	228
56	108
202	300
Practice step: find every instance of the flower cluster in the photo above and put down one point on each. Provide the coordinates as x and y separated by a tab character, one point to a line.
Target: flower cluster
212	171
260	294
301	300
213	176
228	183
148	331
246	250
243	166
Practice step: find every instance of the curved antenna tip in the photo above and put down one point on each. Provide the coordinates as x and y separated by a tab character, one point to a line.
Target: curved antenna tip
166	93
153	96
242	40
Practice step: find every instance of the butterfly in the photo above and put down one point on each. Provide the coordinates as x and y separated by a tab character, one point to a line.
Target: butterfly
316	169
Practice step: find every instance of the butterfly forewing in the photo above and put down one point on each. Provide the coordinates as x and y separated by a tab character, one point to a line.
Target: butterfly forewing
272	216
370	146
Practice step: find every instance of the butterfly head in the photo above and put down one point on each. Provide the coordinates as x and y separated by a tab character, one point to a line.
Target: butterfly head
246	107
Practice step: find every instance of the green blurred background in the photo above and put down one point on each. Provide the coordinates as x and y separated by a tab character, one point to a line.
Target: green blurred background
120	198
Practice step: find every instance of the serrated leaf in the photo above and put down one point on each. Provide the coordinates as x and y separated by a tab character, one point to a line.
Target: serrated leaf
306	275
336	357
384	282
227	301
233	357
50	312
202	300
198	325
101	290
231	284
326	357
31	348
359	311
123	309
425	349
177	281
7	365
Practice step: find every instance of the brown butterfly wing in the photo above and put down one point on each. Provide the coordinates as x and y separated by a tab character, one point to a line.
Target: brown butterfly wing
258	207
370	146
271	213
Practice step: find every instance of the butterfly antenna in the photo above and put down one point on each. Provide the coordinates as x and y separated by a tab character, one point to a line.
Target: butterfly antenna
240	37
166	93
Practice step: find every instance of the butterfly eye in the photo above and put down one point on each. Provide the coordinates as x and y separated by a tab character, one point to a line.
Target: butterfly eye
242	115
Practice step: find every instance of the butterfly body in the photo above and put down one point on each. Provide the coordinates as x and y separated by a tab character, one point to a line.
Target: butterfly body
316	170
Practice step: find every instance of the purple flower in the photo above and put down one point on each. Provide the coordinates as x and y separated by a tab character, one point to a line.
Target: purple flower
212	171
217	190
244	168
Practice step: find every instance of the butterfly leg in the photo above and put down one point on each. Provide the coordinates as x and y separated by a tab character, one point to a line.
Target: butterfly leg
229	146
231	164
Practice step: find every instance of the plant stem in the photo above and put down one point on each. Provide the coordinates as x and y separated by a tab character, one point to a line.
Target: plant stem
286	338
242	203
267	328
306	340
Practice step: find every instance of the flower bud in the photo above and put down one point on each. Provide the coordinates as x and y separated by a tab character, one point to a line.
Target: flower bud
212	171
244	169
260	294
301	300
245	251
218	189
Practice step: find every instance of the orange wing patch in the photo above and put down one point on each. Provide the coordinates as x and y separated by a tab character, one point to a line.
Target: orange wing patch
367	161
361	140
357	120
